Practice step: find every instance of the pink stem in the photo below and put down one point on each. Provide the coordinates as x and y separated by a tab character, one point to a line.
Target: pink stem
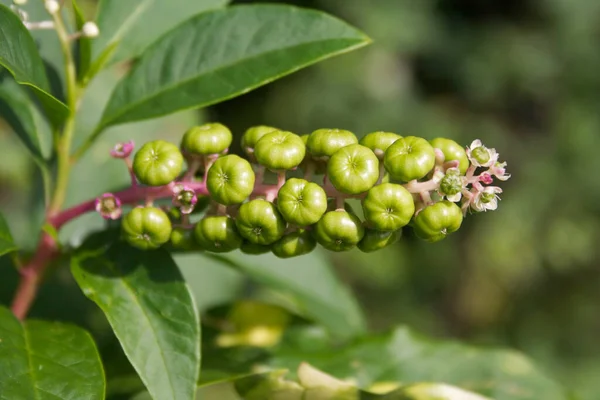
47	249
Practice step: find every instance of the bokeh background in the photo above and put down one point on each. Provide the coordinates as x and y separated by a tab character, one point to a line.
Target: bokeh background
522	75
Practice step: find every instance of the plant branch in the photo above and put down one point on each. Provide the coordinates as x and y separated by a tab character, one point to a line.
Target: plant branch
63	146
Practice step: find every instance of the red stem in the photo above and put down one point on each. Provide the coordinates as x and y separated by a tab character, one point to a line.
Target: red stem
47	250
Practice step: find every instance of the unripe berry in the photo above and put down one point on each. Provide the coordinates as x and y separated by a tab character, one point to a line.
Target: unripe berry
409	158
157	163
325	142
230	180
217	234
376	240
213	138
388	207
294	244
280	150
252	136
258	221
353	169
301	202
452	152
436	221
339	231
379	142
183	239
146	228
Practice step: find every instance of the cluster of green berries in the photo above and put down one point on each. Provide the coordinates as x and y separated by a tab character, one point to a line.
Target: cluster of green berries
400	181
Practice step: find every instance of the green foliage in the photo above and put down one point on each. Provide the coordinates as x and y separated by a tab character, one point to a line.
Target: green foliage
208	74
48	360
523	279
7	243
128	27
150	310
19	55
403	356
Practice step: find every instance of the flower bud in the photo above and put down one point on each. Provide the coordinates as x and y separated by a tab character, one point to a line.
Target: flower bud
20	2
90	30
109	206
122	150
184	198
52	6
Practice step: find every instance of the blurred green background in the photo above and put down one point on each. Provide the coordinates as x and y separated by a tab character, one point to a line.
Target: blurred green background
522	75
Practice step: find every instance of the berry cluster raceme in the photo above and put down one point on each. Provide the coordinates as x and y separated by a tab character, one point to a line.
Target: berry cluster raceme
289	193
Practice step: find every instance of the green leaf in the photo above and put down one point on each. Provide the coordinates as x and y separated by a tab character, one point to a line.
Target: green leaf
47	360
211	284
132	25
150	309
7	243
403	356
84	45
308	281
19	55
220	54
317	385
16	110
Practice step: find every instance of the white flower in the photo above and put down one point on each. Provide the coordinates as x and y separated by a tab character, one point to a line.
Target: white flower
455	198
481	156
90	30
498	169
486	199
20	2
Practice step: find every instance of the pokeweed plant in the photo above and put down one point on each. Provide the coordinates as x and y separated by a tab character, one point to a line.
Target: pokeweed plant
285	195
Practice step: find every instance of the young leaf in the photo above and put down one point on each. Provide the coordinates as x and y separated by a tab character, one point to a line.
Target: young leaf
132	25
47	361
221	54
84	45
19	55
7	243
151	311
310	283
403	356
16	110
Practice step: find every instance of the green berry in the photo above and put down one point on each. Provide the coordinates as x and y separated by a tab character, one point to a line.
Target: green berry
294	244
206	139
280	150
146	228
339	231
388	207
409	158
157	163
230	180
217	234
254	249
258	221
452	151
379	142
325	142
253	135
353	169
436	221
301	202
183	239
376	240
